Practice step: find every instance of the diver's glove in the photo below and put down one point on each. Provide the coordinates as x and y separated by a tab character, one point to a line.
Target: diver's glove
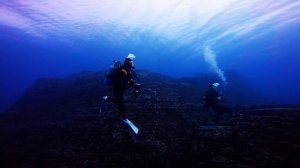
137	88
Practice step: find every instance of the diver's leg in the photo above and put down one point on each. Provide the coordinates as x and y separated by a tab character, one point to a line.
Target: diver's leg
113	100
218	113
116	93
119	98
228	110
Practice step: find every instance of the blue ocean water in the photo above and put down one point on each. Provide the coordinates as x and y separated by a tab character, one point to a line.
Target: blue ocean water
259	39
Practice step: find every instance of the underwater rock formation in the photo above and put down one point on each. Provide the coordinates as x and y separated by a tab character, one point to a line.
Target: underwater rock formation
57	124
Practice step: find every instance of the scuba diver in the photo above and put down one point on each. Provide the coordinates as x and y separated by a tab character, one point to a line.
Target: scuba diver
212	99
123	78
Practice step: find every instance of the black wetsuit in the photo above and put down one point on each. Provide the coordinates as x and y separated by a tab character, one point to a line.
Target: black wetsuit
121	82
212	98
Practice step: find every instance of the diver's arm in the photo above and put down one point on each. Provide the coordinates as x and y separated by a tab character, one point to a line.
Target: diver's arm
133	83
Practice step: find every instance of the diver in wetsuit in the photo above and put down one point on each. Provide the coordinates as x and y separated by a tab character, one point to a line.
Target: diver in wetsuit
212	100
123	79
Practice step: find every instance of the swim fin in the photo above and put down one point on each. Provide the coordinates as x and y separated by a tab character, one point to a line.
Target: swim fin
131	125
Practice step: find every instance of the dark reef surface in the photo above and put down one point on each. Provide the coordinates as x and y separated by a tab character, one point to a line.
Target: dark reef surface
57	123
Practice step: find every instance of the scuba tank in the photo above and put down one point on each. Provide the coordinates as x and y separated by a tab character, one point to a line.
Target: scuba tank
113	68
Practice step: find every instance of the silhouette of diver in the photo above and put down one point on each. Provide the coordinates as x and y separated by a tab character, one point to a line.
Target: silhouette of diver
212	99
123	79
